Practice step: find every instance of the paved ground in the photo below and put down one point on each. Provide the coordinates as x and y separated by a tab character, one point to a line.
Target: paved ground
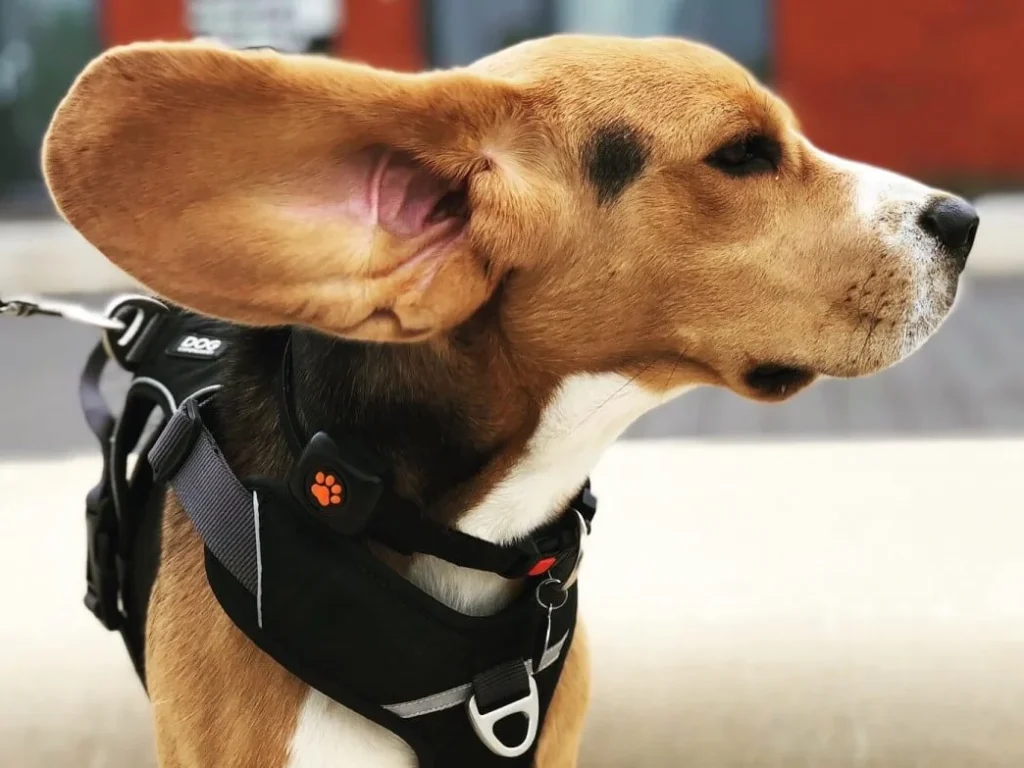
770	623
968	380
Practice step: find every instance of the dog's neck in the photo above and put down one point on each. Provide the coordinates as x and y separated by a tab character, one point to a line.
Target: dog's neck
424	410
488	448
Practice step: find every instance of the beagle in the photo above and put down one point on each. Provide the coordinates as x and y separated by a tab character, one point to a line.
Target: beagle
529	253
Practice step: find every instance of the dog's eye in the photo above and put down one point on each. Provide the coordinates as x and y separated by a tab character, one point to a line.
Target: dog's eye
747	156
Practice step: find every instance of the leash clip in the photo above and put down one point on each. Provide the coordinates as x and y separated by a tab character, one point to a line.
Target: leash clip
558	597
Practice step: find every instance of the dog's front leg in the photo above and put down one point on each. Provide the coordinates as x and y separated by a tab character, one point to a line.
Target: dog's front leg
563	728
218	701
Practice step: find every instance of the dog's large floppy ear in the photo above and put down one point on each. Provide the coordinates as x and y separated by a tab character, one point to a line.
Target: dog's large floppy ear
276	190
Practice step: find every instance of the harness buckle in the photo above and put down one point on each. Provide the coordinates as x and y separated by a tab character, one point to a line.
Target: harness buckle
102	577
585	505
567	570
554	553
175	443
494	685
334	487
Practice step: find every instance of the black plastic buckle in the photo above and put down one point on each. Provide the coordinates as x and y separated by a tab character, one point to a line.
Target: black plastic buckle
539	554
586	504
555	549
103	583
335	486
532	560
175	443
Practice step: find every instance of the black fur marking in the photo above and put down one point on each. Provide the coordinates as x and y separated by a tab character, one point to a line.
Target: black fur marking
614	157
367	391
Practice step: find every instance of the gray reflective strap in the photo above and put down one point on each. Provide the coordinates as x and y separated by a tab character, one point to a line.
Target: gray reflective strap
460	694
216	502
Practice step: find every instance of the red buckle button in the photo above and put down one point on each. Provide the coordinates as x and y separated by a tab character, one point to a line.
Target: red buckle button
542	566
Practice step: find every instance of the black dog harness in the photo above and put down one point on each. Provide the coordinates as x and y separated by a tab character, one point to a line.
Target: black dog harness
288	558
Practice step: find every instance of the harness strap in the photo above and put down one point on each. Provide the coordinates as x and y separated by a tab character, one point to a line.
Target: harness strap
504	661
123	509
219	506
460	694
226	514
554	549
94	406
186	454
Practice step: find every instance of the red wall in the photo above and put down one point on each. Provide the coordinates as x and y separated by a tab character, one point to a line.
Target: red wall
385	33
930	87
125	21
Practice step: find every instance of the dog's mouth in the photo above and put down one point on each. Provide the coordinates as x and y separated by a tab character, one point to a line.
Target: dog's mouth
775	381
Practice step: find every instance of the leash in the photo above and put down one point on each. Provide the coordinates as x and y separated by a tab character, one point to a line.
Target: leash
77	313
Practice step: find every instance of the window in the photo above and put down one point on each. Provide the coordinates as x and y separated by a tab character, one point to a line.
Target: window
464	30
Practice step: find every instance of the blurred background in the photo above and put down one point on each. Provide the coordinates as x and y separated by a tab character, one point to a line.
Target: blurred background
922	87
843	573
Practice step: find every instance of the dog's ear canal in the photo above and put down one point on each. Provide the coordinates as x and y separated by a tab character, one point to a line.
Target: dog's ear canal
272	190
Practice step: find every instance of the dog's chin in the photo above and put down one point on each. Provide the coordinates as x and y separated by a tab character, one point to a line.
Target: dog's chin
923	325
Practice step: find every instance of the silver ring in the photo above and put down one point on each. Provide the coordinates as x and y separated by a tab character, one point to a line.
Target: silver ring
552	607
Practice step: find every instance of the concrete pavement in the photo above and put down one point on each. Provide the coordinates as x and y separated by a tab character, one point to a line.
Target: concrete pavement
827	604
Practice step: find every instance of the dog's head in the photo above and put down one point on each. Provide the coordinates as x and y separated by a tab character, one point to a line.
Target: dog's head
626	205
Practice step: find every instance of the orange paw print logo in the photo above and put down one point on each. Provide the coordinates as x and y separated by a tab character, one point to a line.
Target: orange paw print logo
327	490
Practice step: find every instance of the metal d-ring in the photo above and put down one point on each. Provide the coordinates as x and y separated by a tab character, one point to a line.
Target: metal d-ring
134	313
483	723
551	606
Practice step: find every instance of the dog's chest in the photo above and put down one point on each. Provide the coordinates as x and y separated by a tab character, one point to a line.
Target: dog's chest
330	736
588	414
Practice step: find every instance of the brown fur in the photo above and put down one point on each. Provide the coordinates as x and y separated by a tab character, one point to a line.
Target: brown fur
206	174
217	699
560	739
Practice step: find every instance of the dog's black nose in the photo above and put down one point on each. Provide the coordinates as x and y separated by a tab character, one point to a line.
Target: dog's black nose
953	222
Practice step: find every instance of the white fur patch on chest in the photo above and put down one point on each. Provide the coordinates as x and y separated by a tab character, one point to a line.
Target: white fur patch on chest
587	414
330	736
